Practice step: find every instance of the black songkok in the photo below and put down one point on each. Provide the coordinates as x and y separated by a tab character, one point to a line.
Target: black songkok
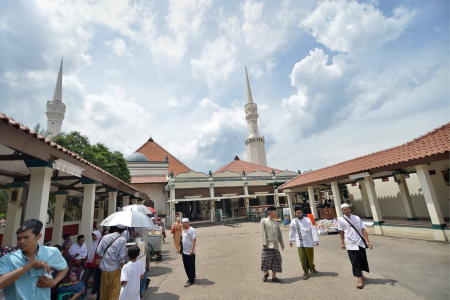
297	208
81	236
32	224
271	208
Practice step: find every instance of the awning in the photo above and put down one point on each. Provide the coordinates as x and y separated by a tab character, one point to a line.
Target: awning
152	209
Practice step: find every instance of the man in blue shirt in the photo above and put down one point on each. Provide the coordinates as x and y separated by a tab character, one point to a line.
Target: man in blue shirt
24	274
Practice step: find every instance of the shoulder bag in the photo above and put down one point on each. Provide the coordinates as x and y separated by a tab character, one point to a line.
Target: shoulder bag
99	259
362	238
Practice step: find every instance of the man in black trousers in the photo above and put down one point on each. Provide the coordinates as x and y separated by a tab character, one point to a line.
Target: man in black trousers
188	249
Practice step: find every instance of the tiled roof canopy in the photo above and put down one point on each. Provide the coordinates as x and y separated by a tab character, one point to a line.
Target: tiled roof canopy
436	142
155	152
11	122
148	179
241	165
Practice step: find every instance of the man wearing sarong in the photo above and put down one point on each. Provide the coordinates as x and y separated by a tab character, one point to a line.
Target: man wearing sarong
271	241
303	231
354	238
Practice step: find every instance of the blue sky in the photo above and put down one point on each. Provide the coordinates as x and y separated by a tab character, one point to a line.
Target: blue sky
332	79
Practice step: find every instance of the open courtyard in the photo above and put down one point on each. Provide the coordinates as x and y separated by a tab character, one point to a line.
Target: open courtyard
228	267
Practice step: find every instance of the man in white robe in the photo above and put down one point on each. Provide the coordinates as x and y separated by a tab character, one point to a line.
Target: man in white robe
304	234
79	250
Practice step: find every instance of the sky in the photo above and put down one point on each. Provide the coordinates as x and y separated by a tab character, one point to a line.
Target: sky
333	80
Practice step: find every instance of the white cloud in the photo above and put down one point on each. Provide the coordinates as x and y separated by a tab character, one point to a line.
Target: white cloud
179	102
349	26
9	78
119	48
259	70
216	62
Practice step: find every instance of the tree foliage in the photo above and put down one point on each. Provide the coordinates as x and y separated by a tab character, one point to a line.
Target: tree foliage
42	131
4	198
98	154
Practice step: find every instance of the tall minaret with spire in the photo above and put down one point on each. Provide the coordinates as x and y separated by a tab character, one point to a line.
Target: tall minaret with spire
256	151
56	108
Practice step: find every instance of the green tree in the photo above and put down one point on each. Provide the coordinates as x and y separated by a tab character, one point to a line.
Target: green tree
42	131
4	198
99	154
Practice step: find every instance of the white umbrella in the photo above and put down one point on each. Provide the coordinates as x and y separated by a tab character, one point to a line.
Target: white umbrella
129	219
140	208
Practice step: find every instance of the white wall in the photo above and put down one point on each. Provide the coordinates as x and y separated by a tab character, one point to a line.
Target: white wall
391	204
156	193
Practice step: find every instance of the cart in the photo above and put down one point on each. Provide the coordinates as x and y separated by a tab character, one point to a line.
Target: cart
155	242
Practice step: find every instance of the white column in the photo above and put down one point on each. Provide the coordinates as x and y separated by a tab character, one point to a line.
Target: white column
13	214
212	203
319	195
406	197
125	201
289	199
277	199
337	198
101	212
312	203
87	210
374	205
172	199
365	200
431	200
112	201
134	201
59	217
38	194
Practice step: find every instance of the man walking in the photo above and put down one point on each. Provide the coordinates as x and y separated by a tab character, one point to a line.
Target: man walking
271	239
112	250
188	241
351	230
25	274
303	231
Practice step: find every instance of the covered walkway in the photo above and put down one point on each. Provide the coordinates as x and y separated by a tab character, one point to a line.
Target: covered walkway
33	168
426	159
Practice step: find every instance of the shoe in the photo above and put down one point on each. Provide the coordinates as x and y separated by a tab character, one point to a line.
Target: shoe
188	284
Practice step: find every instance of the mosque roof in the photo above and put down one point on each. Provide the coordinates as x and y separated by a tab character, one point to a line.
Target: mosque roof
148	179
154	152
136	157
433	146
238	166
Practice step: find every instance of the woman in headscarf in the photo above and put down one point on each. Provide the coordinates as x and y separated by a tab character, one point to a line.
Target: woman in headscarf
71	282
177	227
65	251
91	265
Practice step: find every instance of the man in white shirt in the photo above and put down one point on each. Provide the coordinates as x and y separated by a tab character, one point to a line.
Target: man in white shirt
303	231
188	241
79	250
351	229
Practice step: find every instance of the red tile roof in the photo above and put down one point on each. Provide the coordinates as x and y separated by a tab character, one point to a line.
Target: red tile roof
238	166
433	143
11	122
155	152
148	179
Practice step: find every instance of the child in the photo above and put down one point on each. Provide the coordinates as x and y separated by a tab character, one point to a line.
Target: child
131	276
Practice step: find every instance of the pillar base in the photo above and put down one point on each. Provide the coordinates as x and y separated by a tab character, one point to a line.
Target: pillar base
439	234
371	218
378	229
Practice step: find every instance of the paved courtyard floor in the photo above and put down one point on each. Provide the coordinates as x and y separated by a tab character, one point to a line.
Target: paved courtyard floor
228	267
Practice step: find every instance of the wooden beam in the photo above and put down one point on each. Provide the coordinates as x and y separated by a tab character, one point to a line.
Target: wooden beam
12	157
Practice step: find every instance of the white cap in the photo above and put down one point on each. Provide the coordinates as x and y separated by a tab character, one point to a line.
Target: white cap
344	205
185	220
153	218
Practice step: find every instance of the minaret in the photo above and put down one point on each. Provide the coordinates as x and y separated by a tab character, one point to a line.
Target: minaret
56	108
256	152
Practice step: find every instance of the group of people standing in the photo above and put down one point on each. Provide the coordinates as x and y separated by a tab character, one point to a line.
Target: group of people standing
302	232
34	271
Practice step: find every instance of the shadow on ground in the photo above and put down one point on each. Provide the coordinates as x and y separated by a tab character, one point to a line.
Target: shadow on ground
288	280
325	274
204	282
157	271
380	281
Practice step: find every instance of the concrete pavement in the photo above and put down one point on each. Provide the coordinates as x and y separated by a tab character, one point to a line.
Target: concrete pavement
228	267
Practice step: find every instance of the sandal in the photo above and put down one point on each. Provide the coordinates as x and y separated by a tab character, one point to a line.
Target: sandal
277	280
315	271
305	276
360	286
265	277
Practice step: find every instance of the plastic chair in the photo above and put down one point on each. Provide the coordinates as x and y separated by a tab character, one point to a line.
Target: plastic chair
61	296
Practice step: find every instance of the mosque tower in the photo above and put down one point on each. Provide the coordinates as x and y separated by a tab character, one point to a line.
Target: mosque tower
56	108
256	152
